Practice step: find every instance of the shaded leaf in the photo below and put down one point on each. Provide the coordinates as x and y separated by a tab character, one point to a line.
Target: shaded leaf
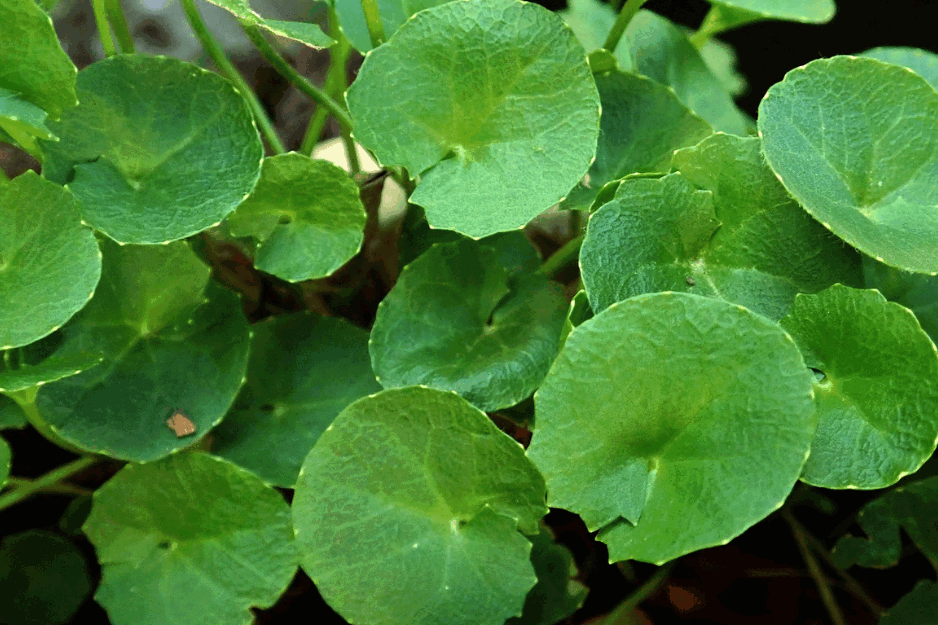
917	292
727	14
556	595
922	62
310	34
919	607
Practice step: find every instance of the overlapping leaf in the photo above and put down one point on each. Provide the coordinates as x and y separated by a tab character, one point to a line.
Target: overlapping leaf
727	14
164	347
49	262
157	150
917	292
556	595
407	511
192	536
393	14
302	372
22	122
877	404
858	163
741	238
492	136
918	607
310	34
459	319
306	215
922	62
673	422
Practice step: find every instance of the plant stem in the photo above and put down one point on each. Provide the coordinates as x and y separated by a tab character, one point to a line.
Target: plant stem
373	20
118	20
99	8
629	9
827	597
711	26
298	80
61	487
562	257
622	615
45	481
227	68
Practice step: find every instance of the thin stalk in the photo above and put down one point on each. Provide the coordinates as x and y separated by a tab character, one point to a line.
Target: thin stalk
373	21
118	21
45	481
622	615
217	54
711	26
63	488
99	8
827	596
298	80
562	257
629	9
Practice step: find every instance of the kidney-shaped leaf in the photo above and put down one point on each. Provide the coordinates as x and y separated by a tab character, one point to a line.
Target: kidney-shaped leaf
673	422
310	34
157	150
165	349
877	404
862	166
491	102
192	539
50	263
457	320
302	372
407	512
556	595
306	215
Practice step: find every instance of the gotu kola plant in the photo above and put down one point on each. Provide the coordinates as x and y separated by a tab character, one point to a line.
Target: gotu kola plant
754	294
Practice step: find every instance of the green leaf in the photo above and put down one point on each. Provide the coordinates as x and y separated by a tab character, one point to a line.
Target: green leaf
306	216
910	507
43	578
556	595
6	456
727	14
49	370
742	238
591	21
922	62
861	165
721	58
918	607
393	14
877	404
660	50
310	34
642	124
917	292
496	142
49	262
673	422
158	149
12	416
303	371
458	320
34	65
192	539
23	122
407	510
165	349
417	236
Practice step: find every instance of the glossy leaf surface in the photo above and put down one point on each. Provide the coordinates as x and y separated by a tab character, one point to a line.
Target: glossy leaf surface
673	422
877	405
496	142
193	536
407	511
861	165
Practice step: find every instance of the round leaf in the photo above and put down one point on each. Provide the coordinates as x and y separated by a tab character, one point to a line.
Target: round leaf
165	350
922	62
407	509
861	165
877	404
191	539
158	149
303	371
673	422
43	579
50	263
456	320
496	142
306	215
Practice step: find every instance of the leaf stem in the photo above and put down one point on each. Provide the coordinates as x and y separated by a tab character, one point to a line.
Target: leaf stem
227	68
629	9
46	481
118	21
711	25
562	257
827	596
373	21
298	80
99	8
622	615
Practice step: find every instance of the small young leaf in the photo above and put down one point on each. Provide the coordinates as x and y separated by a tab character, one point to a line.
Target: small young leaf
303	371
665	408
877	404
407	512
861	165
189	539
734	13
310	34
12	416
